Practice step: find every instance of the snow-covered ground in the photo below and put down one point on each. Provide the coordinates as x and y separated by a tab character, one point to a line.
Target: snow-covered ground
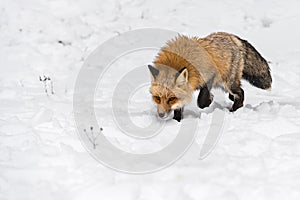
41	156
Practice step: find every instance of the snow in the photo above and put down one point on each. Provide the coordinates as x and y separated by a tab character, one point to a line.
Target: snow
41	155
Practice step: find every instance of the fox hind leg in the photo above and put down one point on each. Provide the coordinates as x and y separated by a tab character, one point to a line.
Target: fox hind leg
204	97
231	97
237	93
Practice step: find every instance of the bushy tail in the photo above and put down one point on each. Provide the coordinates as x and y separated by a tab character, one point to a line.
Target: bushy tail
256	69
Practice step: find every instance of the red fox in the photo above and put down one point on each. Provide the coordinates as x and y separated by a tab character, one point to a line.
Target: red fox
186	64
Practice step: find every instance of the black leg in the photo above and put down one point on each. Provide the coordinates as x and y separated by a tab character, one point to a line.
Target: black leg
231	97
204	97
178	114
238	100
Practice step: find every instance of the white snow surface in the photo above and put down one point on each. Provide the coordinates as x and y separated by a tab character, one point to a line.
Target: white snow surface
41	156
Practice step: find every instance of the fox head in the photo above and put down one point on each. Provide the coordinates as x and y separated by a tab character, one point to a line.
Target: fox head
170	89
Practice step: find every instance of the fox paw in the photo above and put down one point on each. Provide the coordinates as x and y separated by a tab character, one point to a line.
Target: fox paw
235	107
177	118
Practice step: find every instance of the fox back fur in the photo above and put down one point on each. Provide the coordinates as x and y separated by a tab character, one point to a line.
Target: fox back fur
186	64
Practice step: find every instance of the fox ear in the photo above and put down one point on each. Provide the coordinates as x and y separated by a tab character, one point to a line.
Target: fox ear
181	77
154	72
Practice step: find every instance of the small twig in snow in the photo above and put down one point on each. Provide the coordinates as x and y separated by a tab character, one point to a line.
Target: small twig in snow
48	83
92	137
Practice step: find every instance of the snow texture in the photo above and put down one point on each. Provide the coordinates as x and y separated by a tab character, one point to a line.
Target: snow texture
41	156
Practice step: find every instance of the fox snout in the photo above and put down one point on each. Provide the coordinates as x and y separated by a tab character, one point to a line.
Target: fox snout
162	115
162	112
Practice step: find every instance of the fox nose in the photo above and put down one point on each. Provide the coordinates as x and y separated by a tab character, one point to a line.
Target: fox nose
161	115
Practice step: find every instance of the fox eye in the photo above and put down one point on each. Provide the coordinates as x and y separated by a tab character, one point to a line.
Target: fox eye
157	99
171	99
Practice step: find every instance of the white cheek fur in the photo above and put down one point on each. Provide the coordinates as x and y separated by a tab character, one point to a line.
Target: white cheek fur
175	106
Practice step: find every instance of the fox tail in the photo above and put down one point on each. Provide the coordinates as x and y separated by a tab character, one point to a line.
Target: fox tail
256	69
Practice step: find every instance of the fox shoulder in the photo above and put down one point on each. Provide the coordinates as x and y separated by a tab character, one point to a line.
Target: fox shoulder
184	51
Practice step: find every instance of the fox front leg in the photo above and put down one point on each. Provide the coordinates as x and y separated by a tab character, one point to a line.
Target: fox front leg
178	114
204	97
